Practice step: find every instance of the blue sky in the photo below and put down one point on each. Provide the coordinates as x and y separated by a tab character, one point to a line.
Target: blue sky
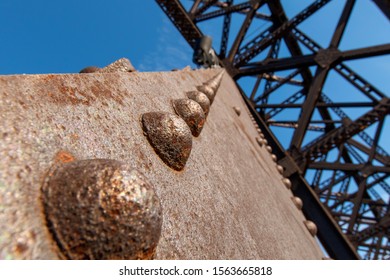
45	36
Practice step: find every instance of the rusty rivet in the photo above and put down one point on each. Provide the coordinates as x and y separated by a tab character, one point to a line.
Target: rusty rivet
280	168
237	110
287	182
269	149
311	227
259	141
89	69
101	209
208	91
274	158
202	99
192	113
297	202
170	137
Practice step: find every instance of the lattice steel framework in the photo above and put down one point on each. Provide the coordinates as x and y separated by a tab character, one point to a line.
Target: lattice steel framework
335	150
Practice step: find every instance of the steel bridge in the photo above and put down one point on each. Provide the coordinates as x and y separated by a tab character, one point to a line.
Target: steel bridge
333	157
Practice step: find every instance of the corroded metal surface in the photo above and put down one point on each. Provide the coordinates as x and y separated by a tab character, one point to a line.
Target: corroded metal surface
215	208
192	113
170	137
101	209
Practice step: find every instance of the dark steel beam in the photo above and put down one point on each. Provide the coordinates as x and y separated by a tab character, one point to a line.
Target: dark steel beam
244	28
259	43
224	11
347	167
225	31
338	104
179	17
334	138
273	65
384	5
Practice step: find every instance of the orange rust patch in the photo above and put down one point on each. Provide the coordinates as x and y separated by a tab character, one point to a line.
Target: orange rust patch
64	157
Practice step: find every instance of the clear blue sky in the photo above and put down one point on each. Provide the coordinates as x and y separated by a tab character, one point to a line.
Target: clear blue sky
44	36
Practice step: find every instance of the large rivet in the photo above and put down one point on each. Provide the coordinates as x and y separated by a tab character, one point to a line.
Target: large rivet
287	182
274	158
208	91
101	209
269	149
280	168
170	137
202	99
311	227
265	141
192	113
297	202
237	110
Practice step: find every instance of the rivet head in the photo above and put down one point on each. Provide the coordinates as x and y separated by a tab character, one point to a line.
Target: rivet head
201	99
297	202
280	168
89	69
261	134
269	149
265	142
287	182
274	158
170	137
311	227
101	209
191	112
215	81
208	91
237	110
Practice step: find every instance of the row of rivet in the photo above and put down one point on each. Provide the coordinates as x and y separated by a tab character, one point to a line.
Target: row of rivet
170	135
104	209
311	226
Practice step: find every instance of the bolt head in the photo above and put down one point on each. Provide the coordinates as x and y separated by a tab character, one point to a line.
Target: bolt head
287	183
280	168
237	110
297	202
311	227
101	209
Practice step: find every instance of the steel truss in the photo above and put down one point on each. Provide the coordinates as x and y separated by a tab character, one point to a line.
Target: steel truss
348	194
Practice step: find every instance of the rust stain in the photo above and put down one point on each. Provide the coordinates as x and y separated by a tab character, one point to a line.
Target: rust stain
56	90
64	157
